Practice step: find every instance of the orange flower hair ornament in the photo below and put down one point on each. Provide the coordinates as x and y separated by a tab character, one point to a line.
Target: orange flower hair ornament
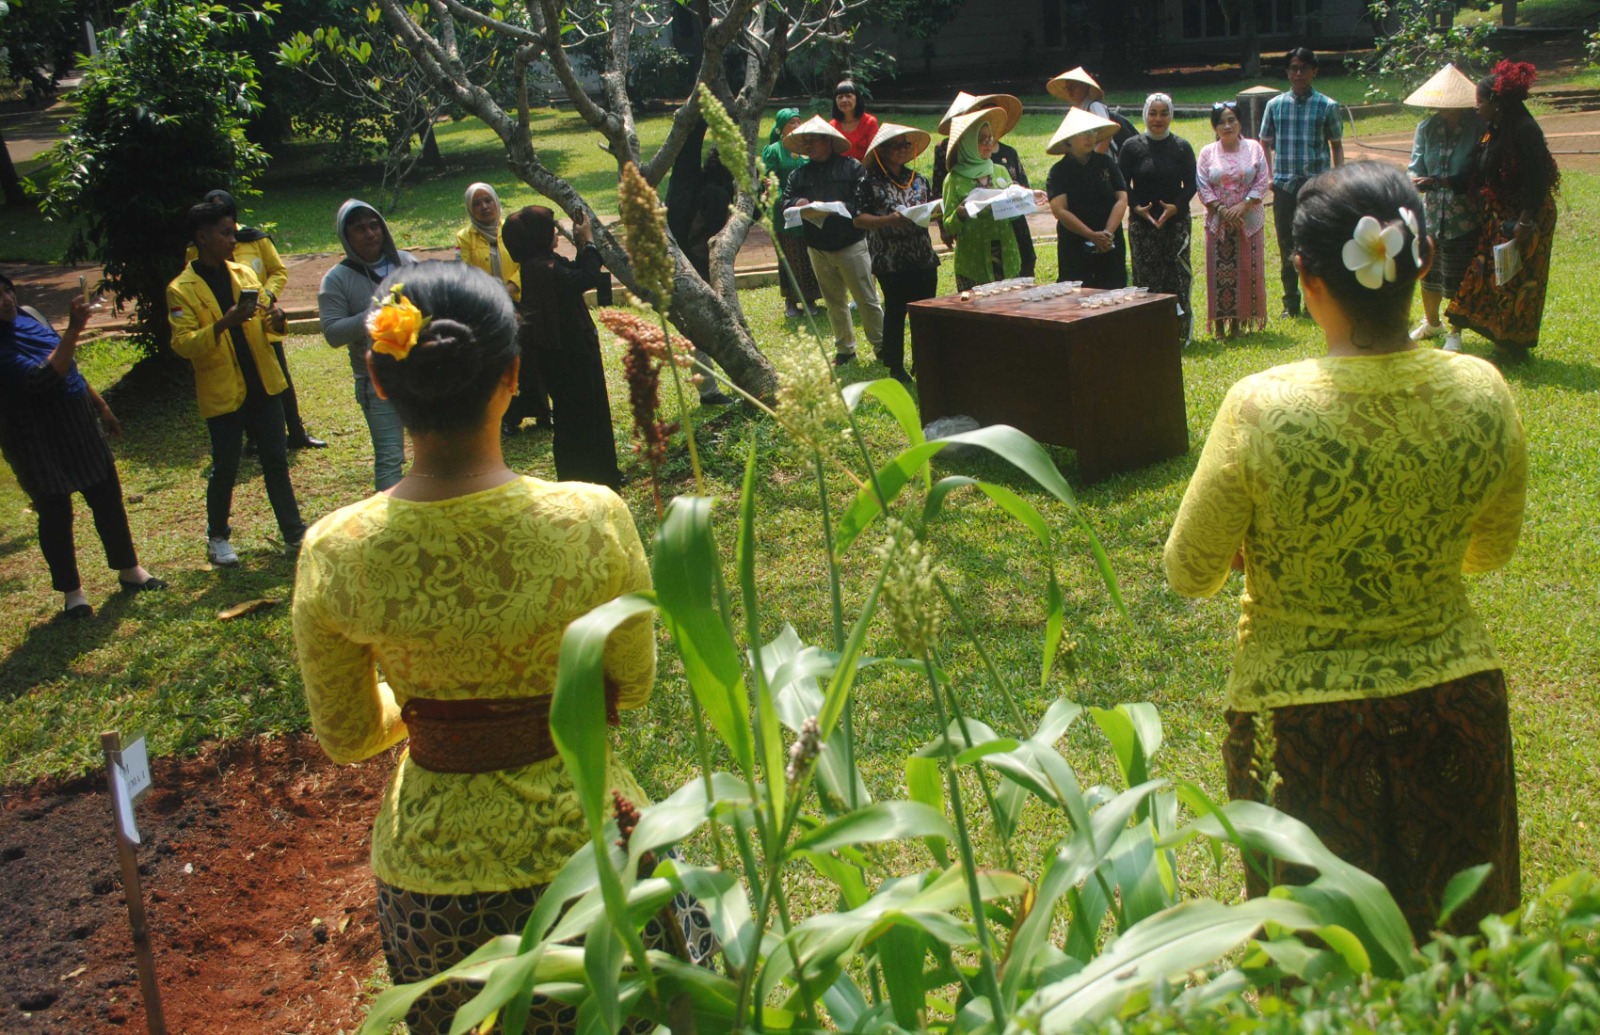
396	324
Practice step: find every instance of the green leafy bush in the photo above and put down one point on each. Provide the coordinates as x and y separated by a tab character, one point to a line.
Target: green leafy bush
1536	973
160	120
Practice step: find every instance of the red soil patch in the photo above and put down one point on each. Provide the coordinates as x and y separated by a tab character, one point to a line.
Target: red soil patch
256	880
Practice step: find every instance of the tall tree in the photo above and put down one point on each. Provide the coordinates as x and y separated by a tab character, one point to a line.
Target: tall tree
544	32
160	121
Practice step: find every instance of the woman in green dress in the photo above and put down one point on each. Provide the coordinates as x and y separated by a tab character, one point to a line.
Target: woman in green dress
982	242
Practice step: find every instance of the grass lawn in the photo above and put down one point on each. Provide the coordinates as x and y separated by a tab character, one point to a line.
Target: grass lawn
164	663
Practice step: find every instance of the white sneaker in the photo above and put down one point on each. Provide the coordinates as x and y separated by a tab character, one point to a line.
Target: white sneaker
1426	330
220	553
1452	342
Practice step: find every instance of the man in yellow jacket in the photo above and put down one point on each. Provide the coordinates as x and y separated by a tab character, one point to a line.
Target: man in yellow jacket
217	326
254	248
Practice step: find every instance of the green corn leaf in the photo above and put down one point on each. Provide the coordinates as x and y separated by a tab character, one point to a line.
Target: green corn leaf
684	569
880	821
1461	888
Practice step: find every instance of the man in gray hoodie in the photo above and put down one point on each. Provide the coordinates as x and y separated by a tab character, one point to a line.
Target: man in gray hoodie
342	301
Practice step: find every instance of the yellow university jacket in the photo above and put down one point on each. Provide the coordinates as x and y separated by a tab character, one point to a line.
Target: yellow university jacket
473	250
261	255
192	311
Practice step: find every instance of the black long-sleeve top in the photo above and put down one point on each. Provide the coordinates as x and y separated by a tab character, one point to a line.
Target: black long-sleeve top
1158	170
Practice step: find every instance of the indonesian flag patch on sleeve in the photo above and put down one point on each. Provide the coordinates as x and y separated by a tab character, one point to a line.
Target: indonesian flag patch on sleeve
176	313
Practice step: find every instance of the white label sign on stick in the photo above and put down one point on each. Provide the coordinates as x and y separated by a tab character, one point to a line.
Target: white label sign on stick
136	766
124	796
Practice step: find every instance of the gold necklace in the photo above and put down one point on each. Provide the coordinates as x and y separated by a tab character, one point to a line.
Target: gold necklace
414	473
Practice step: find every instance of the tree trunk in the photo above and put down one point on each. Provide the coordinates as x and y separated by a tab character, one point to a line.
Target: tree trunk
718	329
1250	40
1508	12
431	157
10	182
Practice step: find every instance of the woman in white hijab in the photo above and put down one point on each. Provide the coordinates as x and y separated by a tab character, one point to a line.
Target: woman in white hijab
1159	166
478	244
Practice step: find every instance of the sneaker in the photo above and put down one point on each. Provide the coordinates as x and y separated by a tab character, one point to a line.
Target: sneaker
1426	330
220	553
1452	341
844	359
791	311
717	398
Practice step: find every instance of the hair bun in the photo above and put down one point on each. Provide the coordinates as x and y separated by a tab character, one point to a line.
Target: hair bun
443	332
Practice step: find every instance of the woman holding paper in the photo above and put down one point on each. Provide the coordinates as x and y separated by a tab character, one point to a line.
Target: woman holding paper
903	259
1160	169
1518	179
982	242
798	283
1088	197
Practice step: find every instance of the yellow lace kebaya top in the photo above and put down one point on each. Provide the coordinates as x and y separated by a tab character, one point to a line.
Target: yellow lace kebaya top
465	598
1361	489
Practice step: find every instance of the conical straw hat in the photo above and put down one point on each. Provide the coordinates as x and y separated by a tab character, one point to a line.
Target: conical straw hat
960	106
961	125
920	139
1080	121
1058	85
817	126
1447	89
966	102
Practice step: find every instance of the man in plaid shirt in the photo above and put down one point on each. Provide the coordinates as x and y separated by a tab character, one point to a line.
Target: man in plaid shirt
1299	130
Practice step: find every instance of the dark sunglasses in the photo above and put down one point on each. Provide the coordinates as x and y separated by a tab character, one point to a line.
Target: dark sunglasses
1232	106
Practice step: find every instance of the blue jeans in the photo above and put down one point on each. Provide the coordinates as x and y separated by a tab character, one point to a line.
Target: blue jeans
262	417
388	437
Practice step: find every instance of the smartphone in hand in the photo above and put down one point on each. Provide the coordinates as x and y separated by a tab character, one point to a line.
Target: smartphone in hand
249	297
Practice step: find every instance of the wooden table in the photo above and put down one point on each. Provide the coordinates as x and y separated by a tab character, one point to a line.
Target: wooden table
1106	382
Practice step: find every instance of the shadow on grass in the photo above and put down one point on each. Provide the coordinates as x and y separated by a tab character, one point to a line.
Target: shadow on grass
1275	340
50	649
1539	372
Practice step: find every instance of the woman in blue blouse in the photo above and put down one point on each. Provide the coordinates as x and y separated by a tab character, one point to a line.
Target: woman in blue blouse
50	433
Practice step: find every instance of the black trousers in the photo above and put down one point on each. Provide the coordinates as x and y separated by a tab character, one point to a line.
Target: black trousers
899	289
1102	270
291	404
1283	207
585	448
262	417
1030	258
110	521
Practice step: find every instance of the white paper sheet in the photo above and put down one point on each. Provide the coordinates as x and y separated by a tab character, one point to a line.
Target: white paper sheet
922	215
792	216
1015	200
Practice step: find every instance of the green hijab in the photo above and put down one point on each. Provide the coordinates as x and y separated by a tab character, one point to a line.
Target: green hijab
968	163
784	115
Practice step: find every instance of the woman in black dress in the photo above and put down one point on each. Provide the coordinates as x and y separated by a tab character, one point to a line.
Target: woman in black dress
50	432
1159	166
559	335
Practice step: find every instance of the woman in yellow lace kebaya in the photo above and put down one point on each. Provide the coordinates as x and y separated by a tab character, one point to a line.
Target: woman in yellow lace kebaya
1362	485
434	611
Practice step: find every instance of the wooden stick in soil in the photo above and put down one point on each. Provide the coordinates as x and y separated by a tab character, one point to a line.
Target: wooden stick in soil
111	743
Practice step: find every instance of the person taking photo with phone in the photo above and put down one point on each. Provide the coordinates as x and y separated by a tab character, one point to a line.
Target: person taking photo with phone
218	325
